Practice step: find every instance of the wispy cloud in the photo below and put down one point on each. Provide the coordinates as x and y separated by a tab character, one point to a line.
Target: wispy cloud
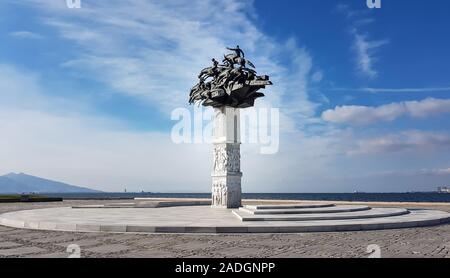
364	115
366	54
349	12
365	48
418	172
364	21
26	35
439	171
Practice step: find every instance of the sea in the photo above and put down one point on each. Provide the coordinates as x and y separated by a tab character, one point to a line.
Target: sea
363	197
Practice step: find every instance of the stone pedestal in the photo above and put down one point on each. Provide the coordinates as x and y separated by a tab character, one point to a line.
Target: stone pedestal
226	176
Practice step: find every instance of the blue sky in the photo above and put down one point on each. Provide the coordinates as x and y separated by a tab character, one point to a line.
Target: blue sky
86	94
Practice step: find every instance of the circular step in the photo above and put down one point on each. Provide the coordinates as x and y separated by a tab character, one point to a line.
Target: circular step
333	209
373	213
296	206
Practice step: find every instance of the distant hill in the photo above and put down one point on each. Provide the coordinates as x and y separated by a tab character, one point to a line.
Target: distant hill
23	183
8	185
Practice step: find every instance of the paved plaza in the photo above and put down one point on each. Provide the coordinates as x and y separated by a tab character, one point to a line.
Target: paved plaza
412	242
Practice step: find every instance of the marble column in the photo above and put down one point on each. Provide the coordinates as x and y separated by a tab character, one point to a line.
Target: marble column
226	176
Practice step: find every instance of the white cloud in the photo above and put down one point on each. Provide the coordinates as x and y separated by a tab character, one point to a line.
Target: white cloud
26	35
366	50
363	115
396	90
415	172
317	76
154	50
406	141
439	172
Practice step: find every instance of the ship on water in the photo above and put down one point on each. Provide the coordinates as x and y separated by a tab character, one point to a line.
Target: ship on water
443	189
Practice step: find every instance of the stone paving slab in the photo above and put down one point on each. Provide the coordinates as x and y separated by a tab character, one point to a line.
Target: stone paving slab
148	204
57	255
192	245
51	239
8	244
20	251
108	248
240	252
150	254
81	243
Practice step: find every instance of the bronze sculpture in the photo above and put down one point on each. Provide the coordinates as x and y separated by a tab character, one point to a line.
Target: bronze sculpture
231	84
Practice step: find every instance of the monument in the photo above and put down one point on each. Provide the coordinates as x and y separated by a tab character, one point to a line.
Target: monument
228	87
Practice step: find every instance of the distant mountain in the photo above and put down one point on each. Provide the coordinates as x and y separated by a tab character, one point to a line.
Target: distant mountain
8	185
23	183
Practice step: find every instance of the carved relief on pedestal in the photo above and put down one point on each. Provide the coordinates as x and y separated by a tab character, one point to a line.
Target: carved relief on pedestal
234	191
227	158
226	191
219	192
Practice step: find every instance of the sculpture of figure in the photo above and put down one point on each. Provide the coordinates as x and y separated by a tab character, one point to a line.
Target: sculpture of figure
236	73
215	63
238	51
216	194
196	90
224	195
251	74
234	158
216	159
225	79
243	62
210	71
219	193
206	92
234	58
238	57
